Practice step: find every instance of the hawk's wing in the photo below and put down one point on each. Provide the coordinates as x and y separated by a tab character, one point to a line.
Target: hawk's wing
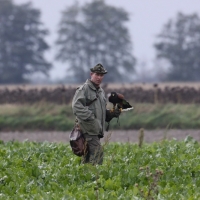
125	105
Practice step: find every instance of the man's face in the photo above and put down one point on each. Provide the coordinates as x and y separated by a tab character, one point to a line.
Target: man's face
96	78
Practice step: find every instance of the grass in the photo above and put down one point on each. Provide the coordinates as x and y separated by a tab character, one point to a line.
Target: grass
39	109
46	116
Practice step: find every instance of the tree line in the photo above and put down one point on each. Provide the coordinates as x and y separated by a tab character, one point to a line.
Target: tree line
88	34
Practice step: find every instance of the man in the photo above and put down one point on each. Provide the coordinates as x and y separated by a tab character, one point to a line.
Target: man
89	107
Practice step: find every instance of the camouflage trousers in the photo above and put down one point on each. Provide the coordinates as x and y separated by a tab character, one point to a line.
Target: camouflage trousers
95	151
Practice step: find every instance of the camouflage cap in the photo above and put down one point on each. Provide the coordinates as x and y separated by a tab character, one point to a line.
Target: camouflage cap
98	69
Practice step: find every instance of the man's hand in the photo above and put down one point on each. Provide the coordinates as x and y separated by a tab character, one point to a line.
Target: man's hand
116	112
112	113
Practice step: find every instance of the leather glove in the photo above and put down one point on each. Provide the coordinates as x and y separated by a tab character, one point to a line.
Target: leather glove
111	114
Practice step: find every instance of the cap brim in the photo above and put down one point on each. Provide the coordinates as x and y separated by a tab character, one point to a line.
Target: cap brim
105	72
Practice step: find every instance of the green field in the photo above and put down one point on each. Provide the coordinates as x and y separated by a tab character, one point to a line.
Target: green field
43	116
168	170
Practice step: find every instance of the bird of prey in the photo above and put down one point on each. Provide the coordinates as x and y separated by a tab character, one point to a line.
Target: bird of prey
118	99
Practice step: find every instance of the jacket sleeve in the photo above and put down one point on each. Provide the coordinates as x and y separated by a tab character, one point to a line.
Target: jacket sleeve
108	116
79	106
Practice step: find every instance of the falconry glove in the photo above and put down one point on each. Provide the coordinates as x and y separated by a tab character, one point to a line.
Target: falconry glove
111	114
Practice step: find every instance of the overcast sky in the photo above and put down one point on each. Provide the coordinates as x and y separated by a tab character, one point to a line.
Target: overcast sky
147	18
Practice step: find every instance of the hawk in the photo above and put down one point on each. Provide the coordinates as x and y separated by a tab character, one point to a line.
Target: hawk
118	99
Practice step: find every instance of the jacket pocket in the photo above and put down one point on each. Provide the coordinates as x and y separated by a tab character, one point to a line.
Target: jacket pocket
90	101
90	127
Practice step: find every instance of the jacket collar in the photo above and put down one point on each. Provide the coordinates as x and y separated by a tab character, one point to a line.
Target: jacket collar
91	85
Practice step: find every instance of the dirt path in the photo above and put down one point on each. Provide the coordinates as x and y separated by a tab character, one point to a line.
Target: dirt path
116	135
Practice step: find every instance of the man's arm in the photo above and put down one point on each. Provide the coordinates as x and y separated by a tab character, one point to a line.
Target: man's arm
111	114
79	106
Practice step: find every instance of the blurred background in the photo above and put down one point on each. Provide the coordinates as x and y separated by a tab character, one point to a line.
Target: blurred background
150	49
49	42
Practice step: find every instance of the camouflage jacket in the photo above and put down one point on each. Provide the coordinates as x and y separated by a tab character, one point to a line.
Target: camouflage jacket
91	118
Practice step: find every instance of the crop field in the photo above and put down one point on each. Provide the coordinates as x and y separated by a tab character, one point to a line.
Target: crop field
162	170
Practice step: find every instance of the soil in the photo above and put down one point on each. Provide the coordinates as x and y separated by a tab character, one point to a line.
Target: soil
112	136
